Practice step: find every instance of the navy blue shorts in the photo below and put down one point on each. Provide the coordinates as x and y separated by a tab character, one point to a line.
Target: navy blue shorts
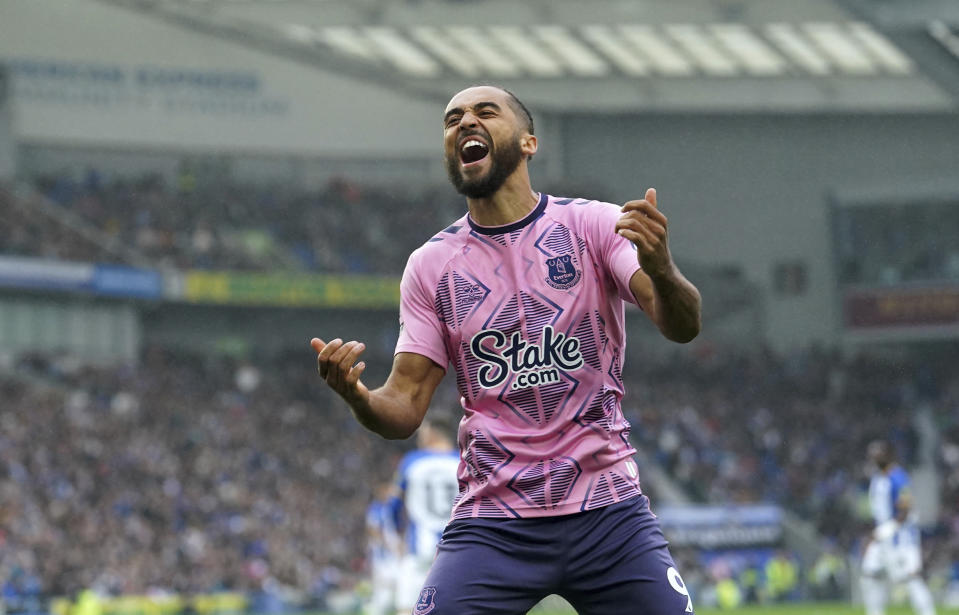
608	561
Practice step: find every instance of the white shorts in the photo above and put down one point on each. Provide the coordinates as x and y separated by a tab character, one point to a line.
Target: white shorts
409	580
383	590
896	558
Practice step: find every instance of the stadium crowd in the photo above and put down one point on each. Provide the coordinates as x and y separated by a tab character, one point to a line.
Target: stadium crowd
183	474
892	244
755	427
222	224
189	474
24	231
204	221
197	223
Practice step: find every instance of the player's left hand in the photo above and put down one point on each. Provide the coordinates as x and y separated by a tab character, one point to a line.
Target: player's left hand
643	224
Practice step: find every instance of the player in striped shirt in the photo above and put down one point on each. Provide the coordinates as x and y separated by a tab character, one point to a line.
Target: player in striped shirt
893	554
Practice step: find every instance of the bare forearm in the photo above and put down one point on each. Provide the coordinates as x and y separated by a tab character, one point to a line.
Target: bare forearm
395	409
678	306
390	414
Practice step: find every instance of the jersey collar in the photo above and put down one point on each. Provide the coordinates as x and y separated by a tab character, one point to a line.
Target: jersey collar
512	226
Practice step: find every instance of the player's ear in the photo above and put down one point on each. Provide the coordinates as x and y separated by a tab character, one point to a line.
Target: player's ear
529	145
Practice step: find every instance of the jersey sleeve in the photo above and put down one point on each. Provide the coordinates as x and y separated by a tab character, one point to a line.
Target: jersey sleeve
901	494
617	254
421	331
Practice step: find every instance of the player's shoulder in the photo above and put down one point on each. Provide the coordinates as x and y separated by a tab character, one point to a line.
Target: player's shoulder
441	246
578	210
899	476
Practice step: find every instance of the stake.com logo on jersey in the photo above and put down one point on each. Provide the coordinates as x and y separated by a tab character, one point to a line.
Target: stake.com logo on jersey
532	364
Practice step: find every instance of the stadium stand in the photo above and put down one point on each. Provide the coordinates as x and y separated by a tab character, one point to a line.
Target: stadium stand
186	474
192	474
230	481
226	225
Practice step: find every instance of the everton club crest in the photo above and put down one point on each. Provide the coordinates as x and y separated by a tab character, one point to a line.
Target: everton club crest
562	275
425	602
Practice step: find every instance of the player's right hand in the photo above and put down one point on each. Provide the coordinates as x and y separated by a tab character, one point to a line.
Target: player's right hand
337	365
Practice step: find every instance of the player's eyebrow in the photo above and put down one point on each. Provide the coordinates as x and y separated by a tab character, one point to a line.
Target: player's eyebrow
480	105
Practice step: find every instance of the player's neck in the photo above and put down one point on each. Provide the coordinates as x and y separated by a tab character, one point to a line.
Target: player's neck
510	203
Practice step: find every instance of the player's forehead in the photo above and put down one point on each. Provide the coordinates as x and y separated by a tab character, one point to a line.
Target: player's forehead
477	95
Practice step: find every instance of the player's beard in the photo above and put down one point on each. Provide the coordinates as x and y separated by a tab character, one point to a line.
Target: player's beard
502	164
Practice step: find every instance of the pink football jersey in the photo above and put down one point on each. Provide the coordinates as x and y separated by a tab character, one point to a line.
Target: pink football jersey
531	317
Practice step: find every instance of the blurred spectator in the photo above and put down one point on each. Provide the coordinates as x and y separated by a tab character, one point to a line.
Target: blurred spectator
828	576
216	224
192	474
206	221
782	577
893	244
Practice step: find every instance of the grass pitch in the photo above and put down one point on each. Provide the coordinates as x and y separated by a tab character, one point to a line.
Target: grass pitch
805	608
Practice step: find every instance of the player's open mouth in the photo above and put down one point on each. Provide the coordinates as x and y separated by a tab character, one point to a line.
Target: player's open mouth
473	151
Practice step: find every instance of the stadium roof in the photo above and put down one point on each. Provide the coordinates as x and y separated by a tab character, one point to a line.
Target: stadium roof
640	55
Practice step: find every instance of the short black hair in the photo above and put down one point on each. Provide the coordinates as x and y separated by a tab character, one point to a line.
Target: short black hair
519	109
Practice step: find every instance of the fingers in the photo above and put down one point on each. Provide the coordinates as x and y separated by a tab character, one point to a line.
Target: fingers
641	242
645	208
651	196
354	375
650	229
323	358
335	362
344	358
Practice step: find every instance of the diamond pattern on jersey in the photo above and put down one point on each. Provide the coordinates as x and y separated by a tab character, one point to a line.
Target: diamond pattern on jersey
539	313
597	412
581	243
507	239
616	368
483	507
572	201
442	302
607	488
454	305
484	455
470	293
557	240
539	404
467	367
546	484
505	317
624	434
586	332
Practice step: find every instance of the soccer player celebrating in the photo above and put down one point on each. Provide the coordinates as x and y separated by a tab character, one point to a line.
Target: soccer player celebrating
893	554
524	298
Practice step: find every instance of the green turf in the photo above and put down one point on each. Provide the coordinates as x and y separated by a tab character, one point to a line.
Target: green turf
790	609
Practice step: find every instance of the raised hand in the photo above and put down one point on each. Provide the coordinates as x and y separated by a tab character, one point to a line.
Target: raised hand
643	224
337	365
